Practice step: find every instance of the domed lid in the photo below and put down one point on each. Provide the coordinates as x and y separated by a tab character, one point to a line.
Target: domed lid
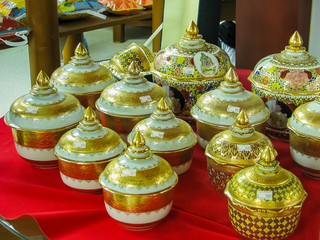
132	96
222	105
238	146
192	59
163	131
121	61
305	119
265	186
89	141
44	108
81	75
293	71
138	171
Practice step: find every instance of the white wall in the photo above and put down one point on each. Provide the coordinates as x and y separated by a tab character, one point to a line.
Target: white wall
314	40
177	16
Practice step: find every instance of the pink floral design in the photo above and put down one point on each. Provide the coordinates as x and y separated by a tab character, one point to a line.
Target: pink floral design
296	79
177	72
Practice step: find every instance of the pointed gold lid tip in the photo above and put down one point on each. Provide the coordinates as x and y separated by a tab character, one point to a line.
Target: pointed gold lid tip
89	115
231	76
192	29
80	50
133	69
163	105
42	79
138	140
268	155
296	40
242	118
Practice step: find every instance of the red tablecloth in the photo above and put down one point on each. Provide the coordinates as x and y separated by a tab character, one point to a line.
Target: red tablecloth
199	211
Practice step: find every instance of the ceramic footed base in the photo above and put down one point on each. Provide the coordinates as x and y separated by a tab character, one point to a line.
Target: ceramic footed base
38	157
309	165
182	168
80	185
139	221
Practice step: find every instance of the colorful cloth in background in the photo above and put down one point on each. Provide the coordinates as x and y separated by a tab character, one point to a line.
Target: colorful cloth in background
12	30
68	9
121	7
144	3
13	8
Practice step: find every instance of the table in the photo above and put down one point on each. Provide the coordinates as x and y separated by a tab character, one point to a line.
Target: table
199	211
74	29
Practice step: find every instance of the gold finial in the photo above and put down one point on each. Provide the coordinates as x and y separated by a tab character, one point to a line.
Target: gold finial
42	79
163	105
138	140
133	69
231	76
89	115
81	50
296	40
242	118
268	155
192	30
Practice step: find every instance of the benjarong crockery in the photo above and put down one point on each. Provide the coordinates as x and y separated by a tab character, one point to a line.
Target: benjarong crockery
284	81
85	151
216	110
265	200
38	120
188	69
138	187
167	136
232	150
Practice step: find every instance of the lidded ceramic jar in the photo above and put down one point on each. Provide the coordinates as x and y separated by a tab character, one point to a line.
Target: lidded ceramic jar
38	120
234	149
123	104
138	186
190	68
304	126
217	109
167	136
82	77
120	62
265	200
85	151
284	81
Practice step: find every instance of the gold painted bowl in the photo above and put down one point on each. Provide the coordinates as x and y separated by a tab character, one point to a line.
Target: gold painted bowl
190	68
123	104
216	111
138	187
304	132
38	120
167	136
82	78
232	150
121	61
265	200
284	81
85	151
